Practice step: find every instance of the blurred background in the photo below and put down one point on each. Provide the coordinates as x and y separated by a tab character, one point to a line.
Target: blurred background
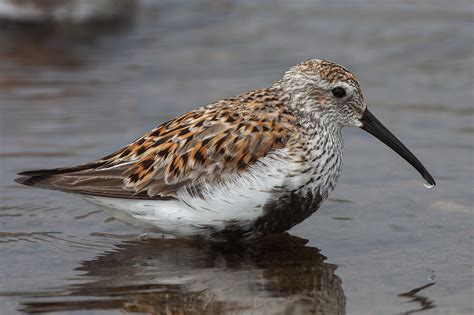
81	78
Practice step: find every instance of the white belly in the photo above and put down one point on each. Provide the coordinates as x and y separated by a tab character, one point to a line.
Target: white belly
176	216
239	201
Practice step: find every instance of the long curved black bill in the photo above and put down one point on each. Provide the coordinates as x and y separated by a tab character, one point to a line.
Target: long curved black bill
375	127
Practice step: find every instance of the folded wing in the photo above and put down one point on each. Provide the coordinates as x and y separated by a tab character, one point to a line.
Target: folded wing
207	146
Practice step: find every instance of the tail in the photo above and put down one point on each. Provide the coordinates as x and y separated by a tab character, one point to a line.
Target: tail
45	178
86	179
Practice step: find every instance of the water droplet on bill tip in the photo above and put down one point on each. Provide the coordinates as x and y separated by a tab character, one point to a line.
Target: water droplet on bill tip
427	184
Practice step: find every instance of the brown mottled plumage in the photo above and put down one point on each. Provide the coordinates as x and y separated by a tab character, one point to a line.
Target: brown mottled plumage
222	138
213	141
251	165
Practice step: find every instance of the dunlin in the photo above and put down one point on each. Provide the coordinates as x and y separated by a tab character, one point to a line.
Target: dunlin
245	166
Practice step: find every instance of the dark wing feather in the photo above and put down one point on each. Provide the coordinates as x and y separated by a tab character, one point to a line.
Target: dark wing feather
86	181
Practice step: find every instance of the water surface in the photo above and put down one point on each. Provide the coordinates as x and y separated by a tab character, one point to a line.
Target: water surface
383	244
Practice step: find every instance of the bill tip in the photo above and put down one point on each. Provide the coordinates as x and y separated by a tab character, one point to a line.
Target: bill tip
428	181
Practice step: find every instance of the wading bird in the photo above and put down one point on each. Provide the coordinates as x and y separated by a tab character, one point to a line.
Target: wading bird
242	167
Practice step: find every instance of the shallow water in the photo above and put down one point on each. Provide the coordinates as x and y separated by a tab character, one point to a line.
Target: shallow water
383	244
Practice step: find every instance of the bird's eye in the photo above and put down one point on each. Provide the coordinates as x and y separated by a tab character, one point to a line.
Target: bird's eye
338	92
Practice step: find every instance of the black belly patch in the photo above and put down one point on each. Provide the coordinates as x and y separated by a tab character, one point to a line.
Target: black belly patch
283	213
279	215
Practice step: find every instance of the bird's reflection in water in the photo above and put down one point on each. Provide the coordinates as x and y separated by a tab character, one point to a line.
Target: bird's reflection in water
163	276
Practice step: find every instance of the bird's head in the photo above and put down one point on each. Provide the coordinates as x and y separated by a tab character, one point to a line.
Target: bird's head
324	92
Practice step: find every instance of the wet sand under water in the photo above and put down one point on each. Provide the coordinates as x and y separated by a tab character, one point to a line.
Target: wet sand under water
383	244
